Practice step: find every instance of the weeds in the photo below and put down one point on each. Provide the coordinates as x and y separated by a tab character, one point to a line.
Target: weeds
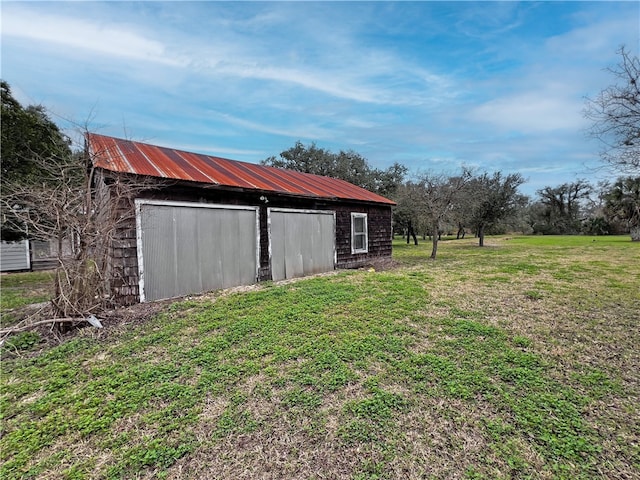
432	370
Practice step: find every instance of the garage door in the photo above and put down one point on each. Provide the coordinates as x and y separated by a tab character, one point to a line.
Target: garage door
188	248
302	242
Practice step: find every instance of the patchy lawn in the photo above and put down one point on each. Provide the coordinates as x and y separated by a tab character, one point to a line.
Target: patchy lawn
518	360
18	290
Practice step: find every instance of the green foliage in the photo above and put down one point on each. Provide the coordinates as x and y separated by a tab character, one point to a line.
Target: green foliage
622	204
19	289
533	295
596	226
345	165
379	406
28	138
27	133
21	341
559	209
495	198
390	365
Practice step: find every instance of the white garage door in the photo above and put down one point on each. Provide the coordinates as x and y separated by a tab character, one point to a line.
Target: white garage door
188	248
302	242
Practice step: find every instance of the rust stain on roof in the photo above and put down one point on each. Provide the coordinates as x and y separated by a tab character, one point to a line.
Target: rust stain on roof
125	156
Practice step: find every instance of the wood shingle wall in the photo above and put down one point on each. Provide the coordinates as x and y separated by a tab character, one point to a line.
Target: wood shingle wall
124	276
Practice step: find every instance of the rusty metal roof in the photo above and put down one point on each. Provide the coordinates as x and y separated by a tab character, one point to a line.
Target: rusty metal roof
126	156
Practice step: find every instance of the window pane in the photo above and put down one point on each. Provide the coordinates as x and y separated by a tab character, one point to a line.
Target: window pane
359	242
358	224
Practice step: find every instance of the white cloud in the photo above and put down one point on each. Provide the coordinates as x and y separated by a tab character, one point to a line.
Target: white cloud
481	84
596	41
299	131
357	76
530	112
76	33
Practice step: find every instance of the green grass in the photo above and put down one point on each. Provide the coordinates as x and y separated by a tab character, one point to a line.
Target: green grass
518	360
20	289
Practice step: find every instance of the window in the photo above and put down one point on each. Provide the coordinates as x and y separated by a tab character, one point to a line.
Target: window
359	237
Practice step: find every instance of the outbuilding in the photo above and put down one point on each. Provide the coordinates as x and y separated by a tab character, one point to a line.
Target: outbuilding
207	223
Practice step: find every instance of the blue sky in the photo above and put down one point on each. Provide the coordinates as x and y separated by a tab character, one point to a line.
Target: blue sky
432	85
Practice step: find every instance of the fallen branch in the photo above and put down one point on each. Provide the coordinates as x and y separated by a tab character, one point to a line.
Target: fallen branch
21	328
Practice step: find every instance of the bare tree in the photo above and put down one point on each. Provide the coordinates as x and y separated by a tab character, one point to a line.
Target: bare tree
72	200
615	116
435	196
407	214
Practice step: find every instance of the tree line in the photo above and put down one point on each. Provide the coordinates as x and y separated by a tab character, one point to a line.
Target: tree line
48	188
430	204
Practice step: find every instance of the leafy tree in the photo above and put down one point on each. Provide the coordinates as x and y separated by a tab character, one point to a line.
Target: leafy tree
615	115
27	134
622	203
346	165
494	198
596	225
560	209
461	211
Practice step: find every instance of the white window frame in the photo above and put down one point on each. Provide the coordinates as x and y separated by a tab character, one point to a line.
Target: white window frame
355	215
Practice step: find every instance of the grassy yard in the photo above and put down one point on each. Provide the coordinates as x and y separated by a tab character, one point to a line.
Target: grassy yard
518	360
20	289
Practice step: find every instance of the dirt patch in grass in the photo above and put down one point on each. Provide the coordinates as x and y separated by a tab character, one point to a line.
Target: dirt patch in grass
513	362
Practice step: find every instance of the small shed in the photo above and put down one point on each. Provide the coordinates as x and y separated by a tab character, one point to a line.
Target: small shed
216	223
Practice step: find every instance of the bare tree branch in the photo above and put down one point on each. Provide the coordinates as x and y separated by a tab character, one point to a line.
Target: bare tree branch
615	116
72	201
435	195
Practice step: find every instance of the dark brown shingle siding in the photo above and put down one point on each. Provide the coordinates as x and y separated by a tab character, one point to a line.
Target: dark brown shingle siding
124	259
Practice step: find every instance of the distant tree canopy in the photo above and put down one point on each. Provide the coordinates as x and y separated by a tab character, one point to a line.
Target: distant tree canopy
559	210
27	134
581	208
345	165
622	204
434	203
494	198
615	116
31	143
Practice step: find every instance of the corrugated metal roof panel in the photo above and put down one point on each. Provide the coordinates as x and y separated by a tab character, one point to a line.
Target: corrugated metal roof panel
125	156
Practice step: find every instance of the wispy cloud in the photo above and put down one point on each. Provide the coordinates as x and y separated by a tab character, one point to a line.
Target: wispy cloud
74	33
530	112
297	131
499	85
362	77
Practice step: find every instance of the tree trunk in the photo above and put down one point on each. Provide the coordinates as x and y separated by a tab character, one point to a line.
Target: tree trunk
635	233
481	235
434	236
411	233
